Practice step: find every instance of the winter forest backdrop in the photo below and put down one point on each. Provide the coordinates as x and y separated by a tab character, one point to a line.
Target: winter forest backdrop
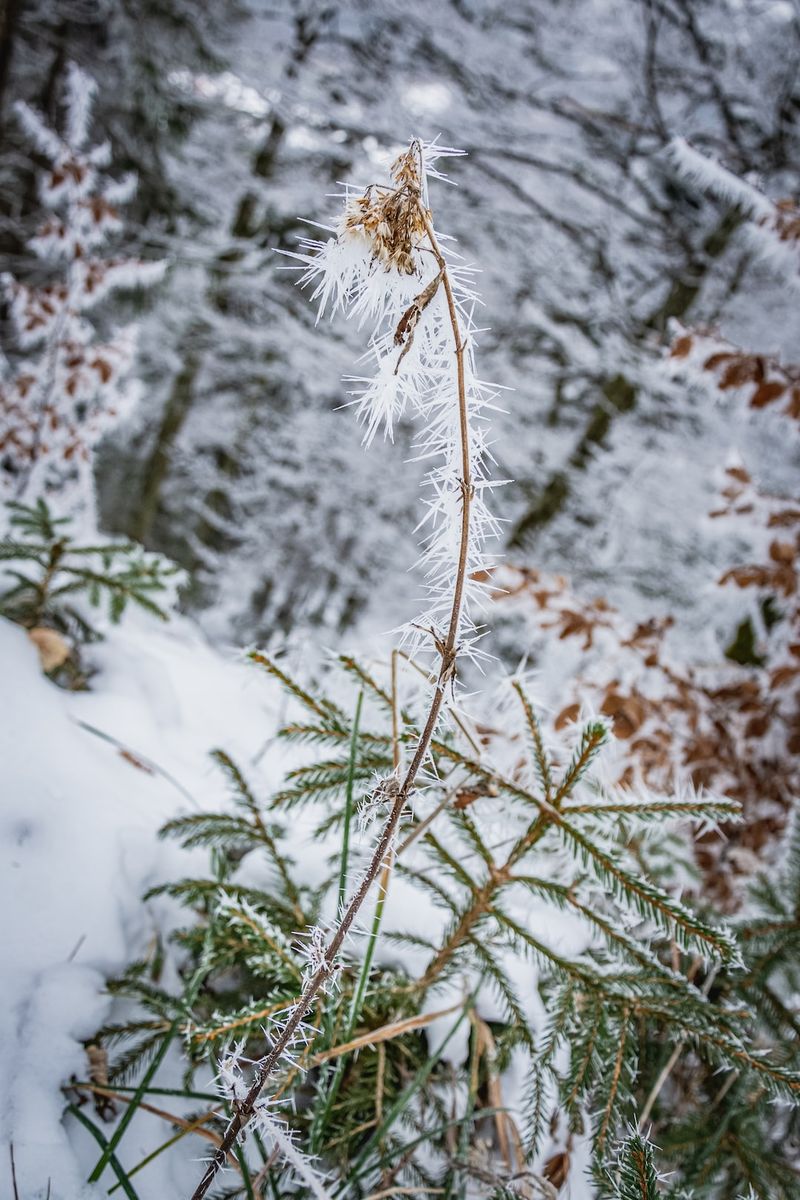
629	197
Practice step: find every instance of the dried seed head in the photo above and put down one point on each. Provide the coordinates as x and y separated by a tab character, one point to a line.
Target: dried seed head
405	170
381	268
392	219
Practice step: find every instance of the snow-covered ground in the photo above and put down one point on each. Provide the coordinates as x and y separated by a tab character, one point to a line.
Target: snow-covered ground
78	826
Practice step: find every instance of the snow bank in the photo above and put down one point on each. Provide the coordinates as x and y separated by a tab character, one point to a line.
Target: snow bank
78	847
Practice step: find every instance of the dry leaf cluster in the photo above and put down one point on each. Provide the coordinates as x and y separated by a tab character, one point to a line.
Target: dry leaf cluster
392	219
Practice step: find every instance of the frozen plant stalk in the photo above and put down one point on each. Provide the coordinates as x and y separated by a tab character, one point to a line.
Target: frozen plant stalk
385	266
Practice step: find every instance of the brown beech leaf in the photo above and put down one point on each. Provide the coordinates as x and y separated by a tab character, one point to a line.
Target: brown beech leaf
627	712
745	369
628	777
782	552
746	577
681	347
466	797
556	1169
786	516
783	675
765	393
716	360
568	715
756	727
574	624
53	650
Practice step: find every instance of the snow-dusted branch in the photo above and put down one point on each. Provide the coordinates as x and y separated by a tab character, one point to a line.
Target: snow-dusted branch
60	401
710	176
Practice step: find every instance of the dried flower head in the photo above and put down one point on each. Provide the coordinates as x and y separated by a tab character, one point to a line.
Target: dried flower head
392	219
385	264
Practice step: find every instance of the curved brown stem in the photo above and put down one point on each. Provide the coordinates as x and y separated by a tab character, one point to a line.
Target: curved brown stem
448	650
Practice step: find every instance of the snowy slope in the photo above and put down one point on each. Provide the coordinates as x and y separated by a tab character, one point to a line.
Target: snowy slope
78	843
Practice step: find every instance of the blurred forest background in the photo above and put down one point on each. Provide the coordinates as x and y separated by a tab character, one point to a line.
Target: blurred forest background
236	117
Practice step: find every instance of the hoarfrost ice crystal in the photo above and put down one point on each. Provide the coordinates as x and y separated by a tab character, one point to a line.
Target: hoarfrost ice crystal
383	265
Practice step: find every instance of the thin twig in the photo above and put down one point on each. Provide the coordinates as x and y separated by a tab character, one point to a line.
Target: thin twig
379	1083
13	1171
666	1070
395	715
405	1191
386	874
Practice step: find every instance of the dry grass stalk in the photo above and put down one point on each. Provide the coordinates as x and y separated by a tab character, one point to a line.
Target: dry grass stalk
385	1033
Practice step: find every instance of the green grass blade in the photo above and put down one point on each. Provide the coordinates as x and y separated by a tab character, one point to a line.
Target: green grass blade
138	1096
110	1157
189	997
348	804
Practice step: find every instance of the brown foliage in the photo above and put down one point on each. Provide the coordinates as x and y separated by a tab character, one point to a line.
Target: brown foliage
766	379
729	728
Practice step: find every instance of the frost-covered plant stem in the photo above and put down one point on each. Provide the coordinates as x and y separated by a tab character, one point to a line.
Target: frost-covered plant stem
447	649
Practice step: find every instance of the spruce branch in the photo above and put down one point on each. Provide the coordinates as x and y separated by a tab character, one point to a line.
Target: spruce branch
247	799
634	1177
541	758
324	709
61	568
614	1080
649	901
